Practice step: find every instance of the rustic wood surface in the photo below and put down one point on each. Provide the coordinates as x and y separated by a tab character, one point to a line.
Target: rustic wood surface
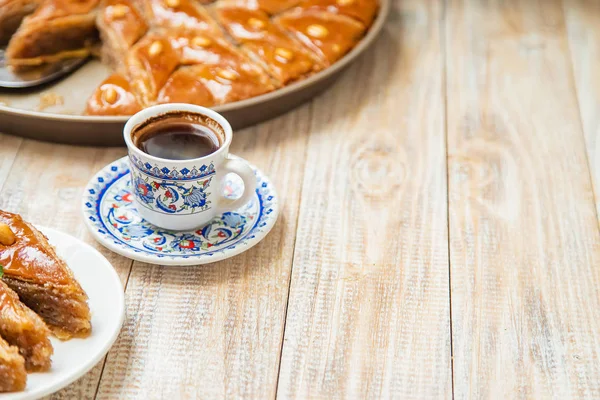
368	313
438	236
524	239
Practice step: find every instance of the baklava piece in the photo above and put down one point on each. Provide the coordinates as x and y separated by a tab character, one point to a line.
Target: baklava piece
329	35
13	376
245	24
149	65
361	10
212	72
121	25
264	42
184	86
201	49
228	84
58	29
225	84
22	328
12	13
113	97
43	280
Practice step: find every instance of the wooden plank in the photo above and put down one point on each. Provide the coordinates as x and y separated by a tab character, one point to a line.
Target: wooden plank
44	183
9	146
524	241
583	27
368	314
215	331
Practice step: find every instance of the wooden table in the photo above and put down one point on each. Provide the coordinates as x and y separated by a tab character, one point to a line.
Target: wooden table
439	232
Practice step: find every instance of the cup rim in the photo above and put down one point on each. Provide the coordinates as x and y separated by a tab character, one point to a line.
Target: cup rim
158	109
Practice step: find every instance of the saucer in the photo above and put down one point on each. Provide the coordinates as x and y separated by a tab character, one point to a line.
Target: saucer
113	220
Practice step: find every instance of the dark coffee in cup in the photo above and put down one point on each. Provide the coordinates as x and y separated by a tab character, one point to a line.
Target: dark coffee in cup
178	136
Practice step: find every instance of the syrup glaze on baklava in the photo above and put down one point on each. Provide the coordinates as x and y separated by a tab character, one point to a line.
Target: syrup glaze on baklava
42	280
203	52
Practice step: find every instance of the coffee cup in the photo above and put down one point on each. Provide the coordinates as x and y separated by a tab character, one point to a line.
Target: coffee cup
181	193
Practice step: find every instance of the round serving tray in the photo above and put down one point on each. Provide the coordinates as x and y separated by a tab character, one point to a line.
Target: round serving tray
61	122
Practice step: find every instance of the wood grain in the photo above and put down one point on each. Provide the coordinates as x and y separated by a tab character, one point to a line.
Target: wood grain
361	172
215	331
9	147
368	313
583	27
524	241
44	182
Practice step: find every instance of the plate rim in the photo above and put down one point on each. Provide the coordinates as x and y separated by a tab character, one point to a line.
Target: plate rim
93	361
178	262
373	32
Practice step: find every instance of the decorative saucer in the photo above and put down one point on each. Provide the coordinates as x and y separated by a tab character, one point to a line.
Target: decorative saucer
113	220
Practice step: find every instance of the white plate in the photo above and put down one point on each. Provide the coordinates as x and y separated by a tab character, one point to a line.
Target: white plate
73	358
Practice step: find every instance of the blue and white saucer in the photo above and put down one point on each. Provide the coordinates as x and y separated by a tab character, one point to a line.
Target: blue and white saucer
113	220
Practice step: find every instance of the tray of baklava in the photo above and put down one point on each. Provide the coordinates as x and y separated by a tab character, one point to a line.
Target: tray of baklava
248	59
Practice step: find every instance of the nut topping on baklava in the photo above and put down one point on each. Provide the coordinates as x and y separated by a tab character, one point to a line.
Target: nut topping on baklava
201	41
227	74
327	34
7	236
155	48
317	31
109	95
284	55
113	97
256	23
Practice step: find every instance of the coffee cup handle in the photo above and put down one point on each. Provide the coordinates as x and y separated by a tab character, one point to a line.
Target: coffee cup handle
243	170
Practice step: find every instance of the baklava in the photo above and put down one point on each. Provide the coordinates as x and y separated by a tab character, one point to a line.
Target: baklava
22	328
194	51
43	280
13	376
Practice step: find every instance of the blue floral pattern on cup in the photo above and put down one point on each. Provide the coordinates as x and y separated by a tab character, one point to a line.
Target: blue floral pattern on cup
172	197
144	191
173	173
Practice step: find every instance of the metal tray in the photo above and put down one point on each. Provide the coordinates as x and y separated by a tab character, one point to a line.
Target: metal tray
62	123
